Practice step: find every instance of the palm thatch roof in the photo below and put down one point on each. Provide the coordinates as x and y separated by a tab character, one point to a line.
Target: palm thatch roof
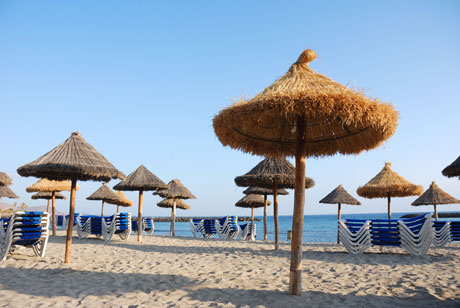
105	194
339	119
5	179
387	182
175	189
252	201
340	195
434	195
453	169
140	179
75	158
263	191
47	195
123	201
270	171
45	185
6	192
169	203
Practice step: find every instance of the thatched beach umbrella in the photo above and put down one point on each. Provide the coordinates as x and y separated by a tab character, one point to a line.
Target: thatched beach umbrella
5	179
105	194
252	201
265	192
305	114
388	184
52	186
339	196
453	169
141	180
6	192
272	173
435	195
74	159
123	201
169	203
175	190
47	196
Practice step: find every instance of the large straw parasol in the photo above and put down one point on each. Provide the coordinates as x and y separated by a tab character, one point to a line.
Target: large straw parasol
453	169
74	159
105	194
265	192
141	180
388	184
123	201
272	173
305	114
47	196
5	179
252	201
175	190
339	196
6	192
435	195
52	186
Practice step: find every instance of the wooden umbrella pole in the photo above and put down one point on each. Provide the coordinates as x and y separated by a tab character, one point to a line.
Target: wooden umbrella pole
295	281
139	217
118	208
389	205
102	208
435	212
338	218
68	243
265	218
173	218
252	223
275	215
48	206
53	209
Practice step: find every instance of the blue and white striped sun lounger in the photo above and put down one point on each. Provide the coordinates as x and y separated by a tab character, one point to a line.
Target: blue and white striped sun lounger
227	227
196	225
245	231
119	224
147	224
29	229
446	232
209	228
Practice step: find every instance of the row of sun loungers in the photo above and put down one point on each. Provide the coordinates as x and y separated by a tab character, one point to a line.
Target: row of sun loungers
225	228
147	225
446	232
104	227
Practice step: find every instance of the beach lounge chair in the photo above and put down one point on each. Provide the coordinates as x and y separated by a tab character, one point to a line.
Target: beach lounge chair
89	224
28	229
196	225
446	232
63	220
413	234
119	224
245	231
147	225
227	227
209	228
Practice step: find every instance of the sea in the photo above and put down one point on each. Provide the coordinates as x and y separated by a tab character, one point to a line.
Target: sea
316	228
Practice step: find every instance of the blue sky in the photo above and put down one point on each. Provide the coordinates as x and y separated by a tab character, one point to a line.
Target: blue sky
141	81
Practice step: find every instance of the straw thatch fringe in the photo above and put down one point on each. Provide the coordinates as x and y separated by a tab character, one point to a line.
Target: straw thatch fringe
453	169
389	182
169	203
47	195
434	195
73	159
45	185
6	192
123	200
104	193
263	191
175	189
340	195
339	120
5	179
140	179
252	201
270	171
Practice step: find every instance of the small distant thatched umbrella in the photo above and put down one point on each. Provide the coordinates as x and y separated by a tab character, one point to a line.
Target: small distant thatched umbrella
175	190
453	169
388	184
252	201
169	203
48	195
141	180
305	114
5	179
265	192
435	195
74	159
105	194
51	186
339	196
6	192
272	173
124	201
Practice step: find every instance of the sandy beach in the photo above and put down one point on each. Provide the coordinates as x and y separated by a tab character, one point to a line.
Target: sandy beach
187	272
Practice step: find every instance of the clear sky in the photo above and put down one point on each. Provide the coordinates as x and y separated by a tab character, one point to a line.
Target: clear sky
142	80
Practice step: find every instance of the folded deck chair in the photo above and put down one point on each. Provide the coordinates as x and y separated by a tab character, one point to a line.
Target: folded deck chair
446	232
28	229
245	231
119	224
416	234
209	228
355	235
227	227
149	226
196	225
88	224
65	220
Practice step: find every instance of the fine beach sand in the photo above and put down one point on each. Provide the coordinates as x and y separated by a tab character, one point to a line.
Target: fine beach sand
187	272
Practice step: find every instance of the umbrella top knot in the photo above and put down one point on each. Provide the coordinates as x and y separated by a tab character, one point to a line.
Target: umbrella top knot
306	56
387	164
76	134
